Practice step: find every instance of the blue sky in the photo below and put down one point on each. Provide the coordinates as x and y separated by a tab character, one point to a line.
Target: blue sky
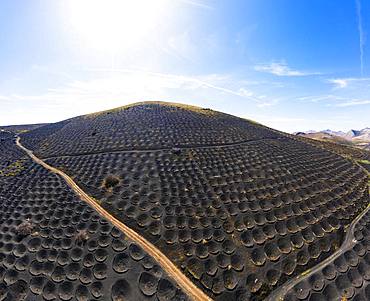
292	65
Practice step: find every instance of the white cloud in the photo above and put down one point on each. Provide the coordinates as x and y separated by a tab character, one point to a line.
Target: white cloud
197	4
355	102
336	101
281	69
284	119
245	92
291	124
345	82
267	102
339	82
109	88
217	82
320	98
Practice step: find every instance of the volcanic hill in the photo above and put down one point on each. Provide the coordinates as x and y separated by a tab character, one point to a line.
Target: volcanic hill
238	207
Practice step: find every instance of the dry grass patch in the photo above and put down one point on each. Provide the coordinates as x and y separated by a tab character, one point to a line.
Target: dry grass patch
110	182
203	111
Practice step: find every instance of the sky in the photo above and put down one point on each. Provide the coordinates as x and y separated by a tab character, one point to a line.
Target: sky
291	65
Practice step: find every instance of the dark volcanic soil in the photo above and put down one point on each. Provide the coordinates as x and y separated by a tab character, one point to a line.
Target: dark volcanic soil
346	278
55	247
240	208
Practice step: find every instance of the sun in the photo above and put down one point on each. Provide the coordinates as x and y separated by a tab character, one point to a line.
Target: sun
114	25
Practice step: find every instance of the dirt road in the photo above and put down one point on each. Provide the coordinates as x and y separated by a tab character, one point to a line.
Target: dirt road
347	244
187	286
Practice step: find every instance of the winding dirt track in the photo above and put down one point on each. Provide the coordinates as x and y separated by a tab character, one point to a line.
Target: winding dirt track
187	286
347	244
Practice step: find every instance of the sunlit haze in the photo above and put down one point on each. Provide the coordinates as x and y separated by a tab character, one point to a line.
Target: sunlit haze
291	65
114	25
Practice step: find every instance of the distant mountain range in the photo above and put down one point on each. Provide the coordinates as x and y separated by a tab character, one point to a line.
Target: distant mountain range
357	138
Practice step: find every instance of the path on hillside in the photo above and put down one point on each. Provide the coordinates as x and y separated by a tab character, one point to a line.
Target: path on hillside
158	149
347	244
187	286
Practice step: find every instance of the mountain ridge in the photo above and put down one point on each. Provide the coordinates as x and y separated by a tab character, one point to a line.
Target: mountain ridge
357	138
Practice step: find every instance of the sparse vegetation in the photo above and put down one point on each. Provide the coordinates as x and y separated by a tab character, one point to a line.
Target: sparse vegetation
364	162
346	151
111	181
65	250
203	111
25	228
252	204
240	207
82	237
176	150
12	169
187	126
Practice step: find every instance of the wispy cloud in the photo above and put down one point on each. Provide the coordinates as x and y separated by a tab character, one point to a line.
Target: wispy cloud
292	124
319	98
198	3
345	82
215	82
361	35
339	82
331	100
282	69
355	102
108	88
268	102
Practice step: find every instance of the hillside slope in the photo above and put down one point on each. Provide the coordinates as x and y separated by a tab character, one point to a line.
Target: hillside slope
361	156
53	246
21	127
239	207
140	127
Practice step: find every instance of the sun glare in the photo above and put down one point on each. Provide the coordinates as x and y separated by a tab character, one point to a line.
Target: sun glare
114	25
